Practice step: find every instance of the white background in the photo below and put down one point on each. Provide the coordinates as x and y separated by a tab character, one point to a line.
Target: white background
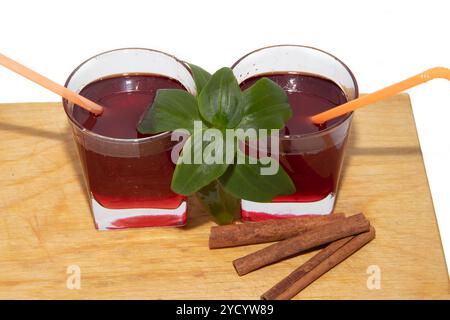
382	41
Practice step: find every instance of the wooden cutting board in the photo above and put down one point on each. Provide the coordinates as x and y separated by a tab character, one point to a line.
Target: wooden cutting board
46	228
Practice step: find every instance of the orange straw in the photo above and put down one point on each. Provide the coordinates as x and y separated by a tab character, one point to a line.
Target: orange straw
50	85
438	72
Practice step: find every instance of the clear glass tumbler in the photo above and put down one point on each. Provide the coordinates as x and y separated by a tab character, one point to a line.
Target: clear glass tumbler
128	180
312	160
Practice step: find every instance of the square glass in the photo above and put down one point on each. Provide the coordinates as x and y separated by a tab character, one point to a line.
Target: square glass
128	180
312	160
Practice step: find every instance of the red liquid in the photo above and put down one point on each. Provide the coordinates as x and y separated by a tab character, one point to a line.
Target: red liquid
315	174
139	180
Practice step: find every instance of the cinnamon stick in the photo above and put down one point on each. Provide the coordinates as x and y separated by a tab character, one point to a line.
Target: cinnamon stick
315	237
287	283
234	235
318	265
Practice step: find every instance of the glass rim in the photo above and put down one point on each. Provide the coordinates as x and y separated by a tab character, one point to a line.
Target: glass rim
158	136
336	125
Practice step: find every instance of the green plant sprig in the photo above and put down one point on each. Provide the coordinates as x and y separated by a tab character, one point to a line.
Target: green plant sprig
220	104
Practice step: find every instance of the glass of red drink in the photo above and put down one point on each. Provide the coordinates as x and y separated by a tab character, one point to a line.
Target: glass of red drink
127	174
311	154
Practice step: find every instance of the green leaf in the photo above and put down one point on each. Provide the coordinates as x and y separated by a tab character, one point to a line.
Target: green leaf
201	77
246	182
266	106
202	166
190	174
220	101
172	109
221	205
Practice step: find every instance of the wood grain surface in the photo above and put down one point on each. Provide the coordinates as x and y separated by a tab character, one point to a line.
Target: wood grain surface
46	226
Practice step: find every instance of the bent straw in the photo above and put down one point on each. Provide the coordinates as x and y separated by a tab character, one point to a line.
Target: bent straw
438	72
50	85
